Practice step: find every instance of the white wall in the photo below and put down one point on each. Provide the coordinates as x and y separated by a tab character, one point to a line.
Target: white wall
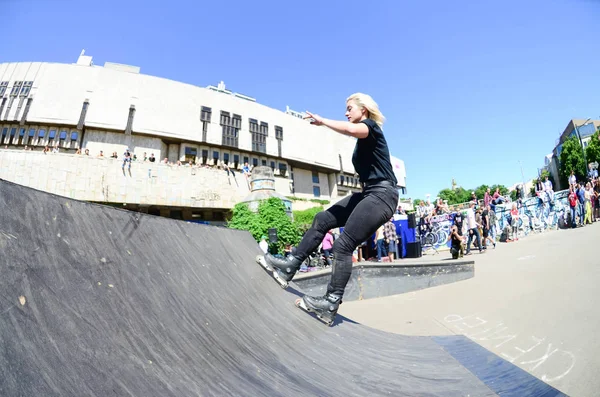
303	184
93	179
165	108
110	142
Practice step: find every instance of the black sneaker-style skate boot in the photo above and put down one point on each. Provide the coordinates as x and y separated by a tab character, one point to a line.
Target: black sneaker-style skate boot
284	269
325	307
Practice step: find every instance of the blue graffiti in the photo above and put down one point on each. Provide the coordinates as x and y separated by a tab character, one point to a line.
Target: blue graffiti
537	214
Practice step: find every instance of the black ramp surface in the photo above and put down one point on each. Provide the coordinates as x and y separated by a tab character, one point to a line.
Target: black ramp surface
97	301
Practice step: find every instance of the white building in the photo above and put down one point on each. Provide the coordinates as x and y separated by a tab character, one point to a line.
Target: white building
109	108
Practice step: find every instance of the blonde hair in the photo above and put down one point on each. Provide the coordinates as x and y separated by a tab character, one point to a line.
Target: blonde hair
366	102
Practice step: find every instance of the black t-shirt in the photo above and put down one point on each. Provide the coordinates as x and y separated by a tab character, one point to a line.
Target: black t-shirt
456	242
371	157
483	219
458	221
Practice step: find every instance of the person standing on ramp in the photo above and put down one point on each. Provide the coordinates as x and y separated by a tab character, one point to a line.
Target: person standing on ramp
361	214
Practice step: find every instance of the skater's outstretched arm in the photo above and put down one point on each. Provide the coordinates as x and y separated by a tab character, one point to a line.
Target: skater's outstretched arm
357	130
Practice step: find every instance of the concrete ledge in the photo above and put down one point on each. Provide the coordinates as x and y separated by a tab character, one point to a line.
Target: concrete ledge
373	279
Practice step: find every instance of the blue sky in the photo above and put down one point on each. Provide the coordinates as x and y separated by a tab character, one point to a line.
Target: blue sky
469	88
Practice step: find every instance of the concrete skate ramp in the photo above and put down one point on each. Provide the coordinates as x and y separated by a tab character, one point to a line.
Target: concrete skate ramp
97	301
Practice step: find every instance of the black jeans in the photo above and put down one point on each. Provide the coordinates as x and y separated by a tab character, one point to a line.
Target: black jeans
470	239
360	214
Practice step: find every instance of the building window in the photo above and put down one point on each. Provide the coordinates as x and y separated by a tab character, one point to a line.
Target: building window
315	177
26	88
13	132
246	159
3	86
264	128
236	160
225	158
252	125
190	154
204	157
31	133
21	136
205	114
4	133
272	166
255	162
259	136
205	117
316	191
41	135
282	169
279	137
215	157
230	129
74	136
225	118
341	179
236	121
51	136
16	88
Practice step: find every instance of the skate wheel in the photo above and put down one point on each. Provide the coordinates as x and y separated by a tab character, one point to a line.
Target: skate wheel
301	305
284	284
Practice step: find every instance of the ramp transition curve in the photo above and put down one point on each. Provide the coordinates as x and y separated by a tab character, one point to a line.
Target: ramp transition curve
98	301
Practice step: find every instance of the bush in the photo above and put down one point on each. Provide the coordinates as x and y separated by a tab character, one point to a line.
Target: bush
303	219
271	214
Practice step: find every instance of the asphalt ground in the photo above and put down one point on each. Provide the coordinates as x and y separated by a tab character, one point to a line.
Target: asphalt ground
534	302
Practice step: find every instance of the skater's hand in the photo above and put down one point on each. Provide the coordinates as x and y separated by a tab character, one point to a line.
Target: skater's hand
316	119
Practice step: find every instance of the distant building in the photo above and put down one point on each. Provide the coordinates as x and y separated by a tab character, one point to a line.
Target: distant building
112	107
581	128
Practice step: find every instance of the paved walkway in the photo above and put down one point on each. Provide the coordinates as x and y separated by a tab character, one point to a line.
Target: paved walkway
534	302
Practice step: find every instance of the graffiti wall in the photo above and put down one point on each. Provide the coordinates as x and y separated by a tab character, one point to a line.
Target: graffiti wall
435	234
535	215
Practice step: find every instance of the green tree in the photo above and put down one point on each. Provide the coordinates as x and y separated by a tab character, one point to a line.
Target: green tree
303	219
571	158
592	151
543	175
501	188
513	195
450	195
271	214
532	190
417	202
480	191
461	195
